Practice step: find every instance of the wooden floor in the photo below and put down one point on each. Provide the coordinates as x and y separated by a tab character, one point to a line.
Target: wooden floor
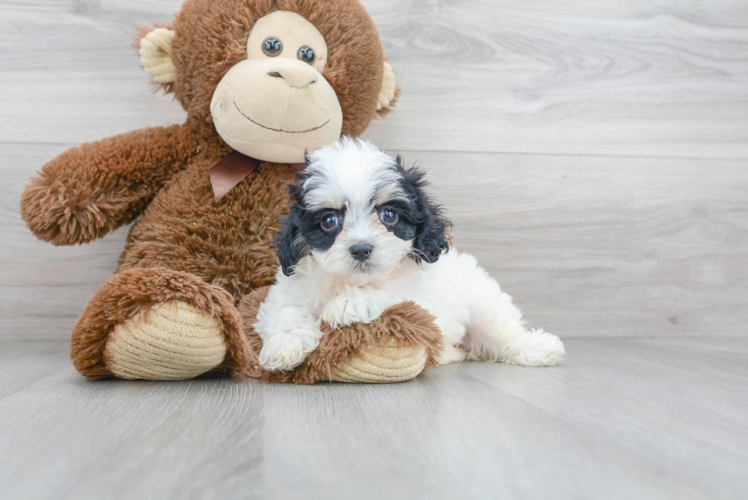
623	418
592	155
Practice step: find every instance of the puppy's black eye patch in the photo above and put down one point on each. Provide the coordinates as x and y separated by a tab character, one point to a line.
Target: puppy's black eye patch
430	238
399	218
321	227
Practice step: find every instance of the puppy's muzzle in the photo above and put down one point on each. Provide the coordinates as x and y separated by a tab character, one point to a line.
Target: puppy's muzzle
361	252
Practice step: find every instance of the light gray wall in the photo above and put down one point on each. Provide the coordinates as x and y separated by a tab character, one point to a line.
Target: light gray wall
591	154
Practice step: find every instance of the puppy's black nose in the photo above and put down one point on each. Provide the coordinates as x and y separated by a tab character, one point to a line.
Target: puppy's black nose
361	252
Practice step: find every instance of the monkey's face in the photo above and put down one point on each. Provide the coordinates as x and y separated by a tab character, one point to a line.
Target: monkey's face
274	83
276	104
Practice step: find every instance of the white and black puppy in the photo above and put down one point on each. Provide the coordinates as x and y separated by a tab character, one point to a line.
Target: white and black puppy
362	236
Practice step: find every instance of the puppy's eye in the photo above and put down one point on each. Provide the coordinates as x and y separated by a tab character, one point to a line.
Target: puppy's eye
306	54
330	222
388	216
272	46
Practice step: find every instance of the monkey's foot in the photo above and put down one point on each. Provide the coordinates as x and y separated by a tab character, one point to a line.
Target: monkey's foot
158	324
397	346
383	364
172	341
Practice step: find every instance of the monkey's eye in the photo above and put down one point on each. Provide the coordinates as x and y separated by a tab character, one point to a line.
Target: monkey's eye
272	46
306	54
388	216
329	222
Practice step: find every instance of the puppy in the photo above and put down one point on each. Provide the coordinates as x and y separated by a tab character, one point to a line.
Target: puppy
362	235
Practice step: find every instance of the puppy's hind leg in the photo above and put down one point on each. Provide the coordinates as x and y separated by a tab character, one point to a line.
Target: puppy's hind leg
496	331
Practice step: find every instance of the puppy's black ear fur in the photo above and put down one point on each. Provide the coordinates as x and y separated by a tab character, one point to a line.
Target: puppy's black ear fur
431	239
291	243
431	224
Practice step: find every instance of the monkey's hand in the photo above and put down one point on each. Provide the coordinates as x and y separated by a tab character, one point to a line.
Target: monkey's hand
90	190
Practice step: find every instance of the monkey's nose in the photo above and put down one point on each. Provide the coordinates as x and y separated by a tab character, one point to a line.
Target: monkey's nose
361	252
295	73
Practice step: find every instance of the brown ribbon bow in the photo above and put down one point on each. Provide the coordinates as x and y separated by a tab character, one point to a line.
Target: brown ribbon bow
233	169
229	172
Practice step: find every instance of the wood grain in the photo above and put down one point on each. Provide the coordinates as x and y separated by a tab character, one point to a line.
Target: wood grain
591	155
659	418
664	78
588	246
580	77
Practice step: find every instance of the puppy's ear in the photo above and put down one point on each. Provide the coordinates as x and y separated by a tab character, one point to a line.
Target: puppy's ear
431	237
431	224
292	245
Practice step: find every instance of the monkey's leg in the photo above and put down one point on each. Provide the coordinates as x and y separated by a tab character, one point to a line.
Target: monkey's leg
397	346
158	324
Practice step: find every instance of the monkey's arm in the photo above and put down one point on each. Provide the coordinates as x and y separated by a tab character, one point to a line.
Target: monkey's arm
90	190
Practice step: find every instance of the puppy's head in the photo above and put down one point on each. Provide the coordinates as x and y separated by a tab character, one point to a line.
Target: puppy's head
358	213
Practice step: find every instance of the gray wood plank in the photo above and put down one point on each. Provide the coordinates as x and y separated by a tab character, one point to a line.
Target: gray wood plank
581	77
575	77
588	246
590	243
606	246
635	418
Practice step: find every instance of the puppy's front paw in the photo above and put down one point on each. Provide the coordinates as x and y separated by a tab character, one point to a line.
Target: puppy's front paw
285	351
347	311
535	348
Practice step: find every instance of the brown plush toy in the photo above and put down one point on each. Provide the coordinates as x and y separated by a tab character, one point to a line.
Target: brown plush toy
262	81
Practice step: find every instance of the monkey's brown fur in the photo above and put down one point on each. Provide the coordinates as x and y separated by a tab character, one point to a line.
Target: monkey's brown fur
406	323
185	246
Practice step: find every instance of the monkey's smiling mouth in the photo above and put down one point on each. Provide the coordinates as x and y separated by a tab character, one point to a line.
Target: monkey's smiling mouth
280	129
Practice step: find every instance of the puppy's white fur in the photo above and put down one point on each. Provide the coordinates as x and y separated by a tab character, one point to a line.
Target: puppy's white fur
477	320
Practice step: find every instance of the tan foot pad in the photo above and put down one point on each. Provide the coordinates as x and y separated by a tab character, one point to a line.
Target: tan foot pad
383	365
397	346
176	342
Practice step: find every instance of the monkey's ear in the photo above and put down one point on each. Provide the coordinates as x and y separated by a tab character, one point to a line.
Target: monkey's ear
154	48
291	243
388	92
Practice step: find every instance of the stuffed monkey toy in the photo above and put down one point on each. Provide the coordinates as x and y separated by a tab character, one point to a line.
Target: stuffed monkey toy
262	81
